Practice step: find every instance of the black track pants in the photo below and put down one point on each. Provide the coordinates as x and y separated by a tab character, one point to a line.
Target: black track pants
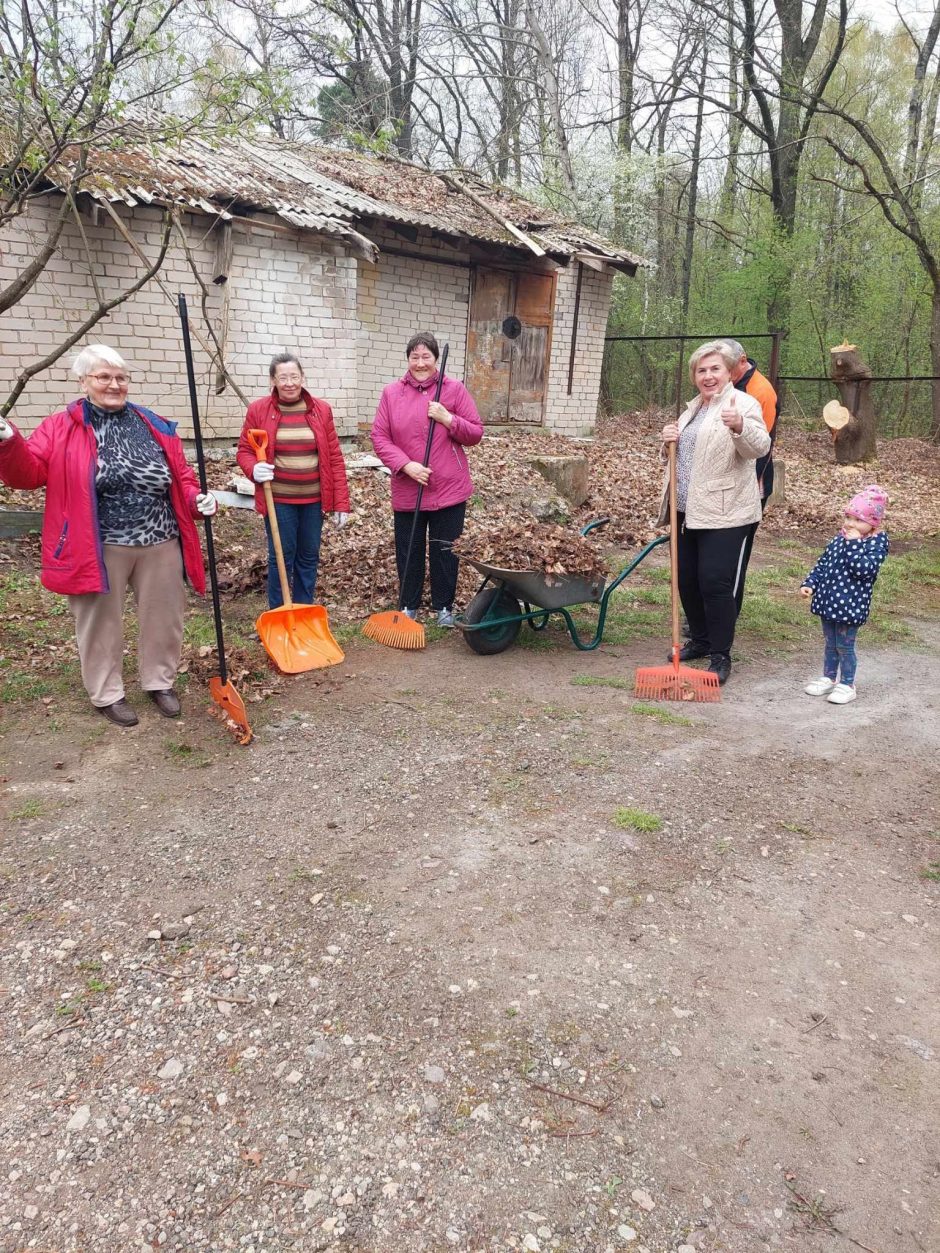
711	564
437	529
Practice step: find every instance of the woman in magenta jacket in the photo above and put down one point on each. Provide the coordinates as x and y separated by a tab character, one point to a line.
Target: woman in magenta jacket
121	501
399	437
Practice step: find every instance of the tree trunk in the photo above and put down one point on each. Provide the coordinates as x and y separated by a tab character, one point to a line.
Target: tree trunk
855	441
561	157
692	206
935	361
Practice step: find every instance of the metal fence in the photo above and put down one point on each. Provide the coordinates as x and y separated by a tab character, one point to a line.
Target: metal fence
641	371
903	404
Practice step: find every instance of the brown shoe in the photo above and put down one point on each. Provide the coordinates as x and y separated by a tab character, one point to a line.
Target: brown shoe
167	702
120	713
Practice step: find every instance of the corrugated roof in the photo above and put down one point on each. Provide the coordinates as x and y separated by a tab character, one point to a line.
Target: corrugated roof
332	192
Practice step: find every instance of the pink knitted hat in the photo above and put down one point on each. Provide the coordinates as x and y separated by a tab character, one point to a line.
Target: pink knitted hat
869	505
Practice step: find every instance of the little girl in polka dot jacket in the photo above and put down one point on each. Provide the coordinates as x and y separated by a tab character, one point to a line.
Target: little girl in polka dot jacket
841	584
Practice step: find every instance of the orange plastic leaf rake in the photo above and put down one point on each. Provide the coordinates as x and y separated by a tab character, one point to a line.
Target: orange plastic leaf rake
675	682
395	629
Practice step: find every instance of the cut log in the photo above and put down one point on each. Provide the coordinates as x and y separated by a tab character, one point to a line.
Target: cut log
854	440
835	415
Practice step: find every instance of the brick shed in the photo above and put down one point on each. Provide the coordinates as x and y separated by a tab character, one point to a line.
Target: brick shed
338	256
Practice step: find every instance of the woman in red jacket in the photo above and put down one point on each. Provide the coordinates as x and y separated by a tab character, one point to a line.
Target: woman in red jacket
120	507
306	472
399	437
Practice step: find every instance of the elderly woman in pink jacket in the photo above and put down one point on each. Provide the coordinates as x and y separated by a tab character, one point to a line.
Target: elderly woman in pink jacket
399	436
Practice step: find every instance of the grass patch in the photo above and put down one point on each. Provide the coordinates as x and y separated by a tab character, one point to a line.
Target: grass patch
661	715
32	808
599	680
931	871
22	686
637	820
186	755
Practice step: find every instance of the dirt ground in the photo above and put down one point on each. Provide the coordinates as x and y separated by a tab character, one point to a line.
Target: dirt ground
408	973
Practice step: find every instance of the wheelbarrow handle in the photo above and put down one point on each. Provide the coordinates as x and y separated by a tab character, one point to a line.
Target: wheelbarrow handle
592	526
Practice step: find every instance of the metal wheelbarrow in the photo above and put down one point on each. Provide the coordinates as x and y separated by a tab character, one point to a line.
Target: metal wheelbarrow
507	598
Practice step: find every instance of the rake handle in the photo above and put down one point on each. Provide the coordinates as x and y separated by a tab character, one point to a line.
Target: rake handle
673	553
426	462
259	446
203	485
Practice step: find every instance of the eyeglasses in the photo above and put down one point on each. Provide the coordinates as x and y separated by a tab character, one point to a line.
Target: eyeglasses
288	378
104	379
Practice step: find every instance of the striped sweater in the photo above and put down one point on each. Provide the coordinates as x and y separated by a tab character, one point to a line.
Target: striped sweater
296	458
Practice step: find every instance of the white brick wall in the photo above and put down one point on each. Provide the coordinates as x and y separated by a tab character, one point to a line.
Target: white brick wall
576	414
347	320
399	296
285	292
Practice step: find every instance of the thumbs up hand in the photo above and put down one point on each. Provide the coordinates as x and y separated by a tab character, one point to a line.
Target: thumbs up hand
730	416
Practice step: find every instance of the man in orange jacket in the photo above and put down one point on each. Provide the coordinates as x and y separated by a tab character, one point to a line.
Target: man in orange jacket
747	378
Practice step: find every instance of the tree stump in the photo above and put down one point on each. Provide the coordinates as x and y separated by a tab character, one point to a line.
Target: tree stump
854	440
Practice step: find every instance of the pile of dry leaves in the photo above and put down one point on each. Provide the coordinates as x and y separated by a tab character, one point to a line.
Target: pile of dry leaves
551	549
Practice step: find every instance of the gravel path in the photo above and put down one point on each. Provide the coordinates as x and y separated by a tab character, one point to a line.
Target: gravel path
408	973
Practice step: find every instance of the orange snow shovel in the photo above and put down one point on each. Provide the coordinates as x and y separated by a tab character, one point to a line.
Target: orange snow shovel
295	637
675	682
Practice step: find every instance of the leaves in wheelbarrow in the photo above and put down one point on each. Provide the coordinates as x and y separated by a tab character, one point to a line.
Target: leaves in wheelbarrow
555	551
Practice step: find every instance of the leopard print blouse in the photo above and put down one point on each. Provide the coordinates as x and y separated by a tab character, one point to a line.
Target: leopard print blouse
132	480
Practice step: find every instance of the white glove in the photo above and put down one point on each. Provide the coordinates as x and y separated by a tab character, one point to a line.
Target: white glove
340	520
207	504
263	472
6	431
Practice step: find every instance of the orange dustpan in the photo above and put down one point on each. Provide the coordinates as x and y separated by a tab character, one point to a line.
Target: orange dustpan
295	637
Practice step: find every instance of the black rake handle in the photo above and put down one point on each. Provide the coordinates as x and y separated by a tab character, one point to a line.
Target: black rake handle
201	462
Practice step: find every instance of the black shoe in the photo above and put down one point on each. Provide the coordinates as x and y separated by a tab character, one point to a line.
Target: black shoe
167	702
692	651
120	713
720	664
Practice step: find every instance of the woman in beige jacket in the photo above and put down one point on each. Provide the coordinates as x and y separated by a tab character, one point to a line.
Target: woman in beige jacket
718	438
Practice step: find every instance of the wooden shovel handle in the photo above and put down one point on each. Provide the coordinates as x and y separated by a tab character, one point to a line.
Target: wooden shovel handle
673	549
259	446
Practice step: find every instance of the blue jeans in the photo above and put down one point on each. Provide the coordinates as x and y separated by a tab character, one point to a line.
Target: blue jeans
840	651
300	527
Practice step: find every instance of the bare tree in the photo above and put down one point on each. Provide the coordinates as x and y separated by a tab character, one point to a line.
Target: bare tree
895	182
73	76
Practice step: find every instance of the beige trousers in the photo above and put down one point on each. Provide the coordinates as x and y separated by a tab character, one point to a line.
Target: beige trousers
155	573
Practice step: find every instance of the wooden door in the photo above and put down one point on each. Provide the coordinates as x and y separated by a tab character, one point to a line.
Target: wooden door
507	377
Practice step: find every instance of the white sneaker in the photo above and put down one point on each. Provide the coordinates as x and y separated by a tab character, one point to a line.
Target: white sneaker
445	617
410	613
841	694
819	687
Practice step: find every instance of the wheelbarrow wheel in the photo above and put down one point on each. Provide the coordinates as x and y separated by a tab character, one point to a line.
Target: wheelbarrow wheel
497	603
